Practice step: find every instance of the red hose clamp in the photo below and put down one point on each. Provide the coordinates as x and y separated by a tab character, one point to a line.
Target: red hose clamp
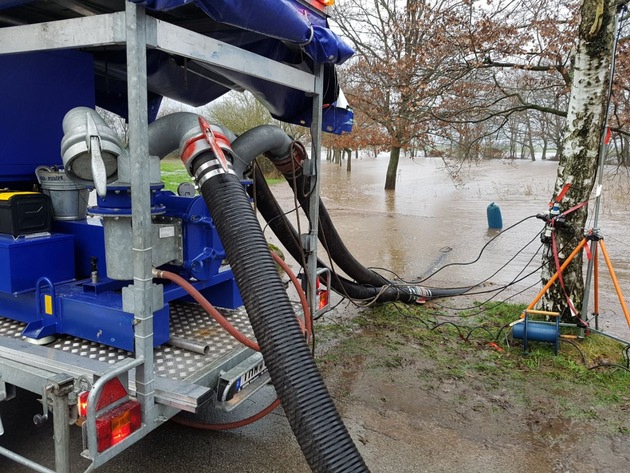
210	138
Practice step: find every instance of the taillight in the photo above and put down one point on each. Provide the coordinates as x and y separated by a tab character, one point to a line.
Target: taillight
117	424
82	403
323	295
327	3
114	424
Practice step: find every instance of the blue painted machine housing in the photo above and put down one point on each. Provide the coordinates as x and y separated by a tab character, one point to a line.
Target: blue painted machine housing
45	281
203	251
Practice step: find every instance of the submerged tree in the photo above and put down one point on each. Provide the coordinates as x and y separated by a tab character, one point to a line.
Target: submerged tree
402	63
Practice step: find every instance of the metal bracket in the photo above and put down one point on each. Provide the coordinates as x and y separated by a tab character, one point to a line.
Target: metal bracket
308	167
129	294
7	391
307	244
59	385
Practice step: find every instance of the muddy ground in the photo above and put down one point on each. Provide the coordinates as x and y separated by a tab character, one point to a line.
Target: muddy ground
442	404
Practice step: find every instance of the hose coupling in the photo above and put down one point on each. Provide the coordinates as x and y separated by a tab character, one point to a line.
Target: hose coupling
207	139
423	294
291	164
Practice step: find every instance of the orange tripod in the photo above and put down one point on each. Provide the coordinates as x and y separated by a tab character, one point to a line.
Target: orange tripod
597	240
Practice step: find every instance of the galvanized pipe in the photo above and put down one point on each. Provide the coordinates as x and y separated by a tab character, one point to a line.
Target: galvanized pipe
24	461
190	345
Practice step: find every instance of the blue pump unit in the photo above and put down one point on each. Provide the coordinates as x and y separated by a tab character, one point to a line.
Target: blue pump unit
48	280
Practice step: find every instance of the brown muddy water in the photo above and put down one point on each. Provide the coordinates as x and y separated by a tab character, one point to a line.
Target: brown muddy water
433	219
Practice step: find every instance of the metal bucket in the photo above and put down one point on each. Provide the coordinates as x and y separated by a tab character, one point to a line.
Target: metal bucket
69	200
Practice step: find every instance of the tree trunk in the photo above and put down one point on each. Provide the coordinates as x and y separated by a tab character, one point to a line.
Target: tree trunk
581	140
349	162
513	142
337	156
392	168
530	139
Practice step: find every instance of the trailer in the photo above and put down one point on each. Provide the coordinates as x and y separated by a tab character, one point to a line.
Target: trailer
106	279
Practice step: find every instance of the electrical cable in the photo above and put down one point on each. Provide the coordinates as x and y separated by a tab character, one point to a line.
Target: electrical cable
479	307
479	256
480	253
500	289
608	365
577	348
501	268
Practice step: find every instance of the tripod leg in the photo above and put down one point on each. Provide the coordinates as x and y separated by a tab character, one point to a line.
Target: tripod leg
615	282
555	276
595	287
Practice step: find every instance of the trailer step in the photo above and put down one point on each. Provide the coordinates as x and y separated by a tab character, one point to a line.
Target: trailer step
175	393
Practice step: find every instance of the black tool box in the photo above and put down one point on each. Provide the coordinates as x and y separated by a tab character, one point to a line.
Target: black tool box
24	213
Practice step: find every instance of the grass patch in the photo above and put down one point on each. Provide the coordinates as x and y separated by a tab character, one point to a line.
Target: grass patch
475	347
173	174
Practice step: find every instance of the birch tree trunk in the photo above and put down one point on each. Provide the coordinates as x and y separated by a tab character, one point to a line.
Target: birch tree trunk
581	140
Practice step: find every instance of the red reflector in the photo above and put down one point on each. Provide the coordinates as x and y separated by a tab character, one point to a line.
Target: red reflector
328	3
112	392
116	425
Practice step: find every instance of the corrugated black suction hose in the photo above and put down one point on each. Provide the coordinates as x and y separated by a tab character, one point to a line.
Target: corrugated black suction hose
288	157
324	440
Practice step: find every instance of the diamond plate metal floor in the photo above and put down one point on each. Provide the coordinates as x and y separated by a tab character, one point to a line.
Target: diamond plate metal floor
188	321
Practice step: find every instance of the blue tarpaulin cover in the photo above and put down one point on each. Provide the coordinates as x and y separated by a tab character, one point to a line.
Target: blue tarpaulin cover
286	31
283	30
283	19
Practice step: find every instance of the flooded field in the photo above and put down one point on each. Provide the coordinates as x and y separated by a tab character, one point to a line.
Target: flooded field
434	219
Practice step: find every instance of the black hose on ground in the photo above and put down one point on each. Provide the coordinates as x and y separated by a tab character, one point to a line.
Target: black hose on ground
286	233
273	214
322	436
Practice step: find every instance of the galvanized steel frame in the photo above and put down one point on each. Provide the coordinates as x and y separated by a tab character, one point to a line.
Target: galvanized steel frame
137	31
